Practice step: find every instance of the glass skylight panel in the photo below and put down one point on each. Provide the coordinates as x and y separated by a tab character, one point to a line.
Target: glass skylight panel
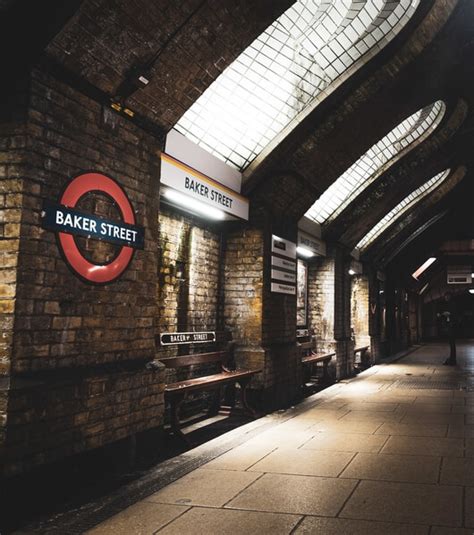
367	168
407	203
283	72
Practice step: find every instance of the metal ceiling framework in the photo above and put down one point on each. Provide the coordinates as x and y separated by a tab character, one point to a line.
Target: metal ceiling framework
288	70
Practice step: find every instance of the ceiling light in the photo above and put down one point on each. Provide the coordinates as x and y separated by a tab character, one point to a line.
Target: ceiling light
307	253
351	272
416	274
424	288
193	205
471	290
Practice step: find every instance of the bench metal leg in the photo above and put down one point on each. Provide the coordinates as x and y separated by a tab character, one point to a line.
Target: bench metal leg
216	403
175	405
243	383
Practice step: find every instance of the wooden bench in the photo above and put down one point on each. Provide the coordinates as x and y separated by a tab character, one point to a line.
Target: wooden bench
361	357
311	359
175	393
319	358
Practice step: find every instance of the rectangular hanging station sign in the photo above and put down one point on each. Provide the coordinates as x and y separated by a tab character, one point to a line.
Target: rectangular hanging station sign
170	339
284	258
314	244
185	179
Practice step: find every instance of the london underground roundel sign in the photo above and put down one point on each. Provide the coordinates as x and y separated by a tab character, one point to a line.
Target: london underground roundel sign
68	222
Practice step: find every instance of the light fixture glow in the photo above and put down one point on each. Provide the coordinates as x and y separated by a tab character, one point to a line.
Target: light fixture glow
424	288
307	253
416	274
193	205
351	272
471	290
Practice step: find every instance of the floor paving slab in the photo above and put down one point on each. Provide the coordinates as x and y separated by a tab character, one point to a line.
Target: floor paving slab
433	418
461	431
367	427
469	508
207	521
144	518
371	406
341	526
386	467
439	447
414	430
372	416
455	471
205	487
240	458
355	443
437	530
295	494
469	452
320	414
304	462
406	502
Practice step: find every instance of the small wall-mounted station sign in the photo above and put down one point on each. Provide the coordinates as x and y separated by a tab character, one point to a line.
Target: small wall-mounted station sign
169	339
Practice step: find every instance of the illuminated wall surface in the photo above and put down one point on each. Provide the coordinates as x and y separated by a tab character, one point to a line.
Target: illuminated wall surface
286	71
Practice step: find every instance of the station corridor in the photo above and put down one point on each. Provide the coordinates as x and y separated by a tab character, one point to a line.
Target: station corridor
387	452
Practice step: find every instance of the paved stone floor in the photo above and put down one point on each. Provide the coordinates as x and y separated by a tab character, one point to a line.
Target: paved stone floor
388	452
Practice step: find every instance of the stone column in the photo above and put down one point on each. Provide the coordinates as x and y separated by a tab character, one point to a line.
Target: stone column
263	323
329	308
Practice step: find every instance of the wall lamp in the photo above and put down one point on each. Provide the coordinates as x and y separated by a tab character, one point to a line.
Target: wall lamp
307	253
416	274
190	204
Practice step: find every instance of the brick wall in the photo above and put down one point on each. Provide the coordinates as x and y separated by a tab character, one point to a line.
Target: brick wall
189	275
12	155
243	296
104	333
360	309
49	420
60	321
329	312
188	290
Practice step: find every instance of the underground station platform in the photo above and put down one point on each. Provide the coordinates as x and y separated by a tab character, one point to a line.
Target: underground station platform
389	451
236	266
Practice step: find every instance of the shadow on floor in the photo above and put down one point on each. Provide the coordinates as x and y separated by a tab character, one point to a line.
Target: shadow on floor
73	482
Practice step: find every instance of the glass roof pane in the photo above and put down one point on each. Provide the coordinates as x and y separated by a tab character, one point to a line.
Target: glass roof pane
407	203
285	69
368	167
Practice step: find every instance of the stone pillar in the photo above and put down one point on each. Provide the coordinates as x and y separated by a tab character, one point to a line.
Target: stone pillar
360	309
263	323
376	312
329	308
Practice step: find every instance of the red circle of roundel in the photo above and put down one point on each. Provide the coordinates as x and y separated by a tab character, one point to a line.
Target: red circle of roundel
79	186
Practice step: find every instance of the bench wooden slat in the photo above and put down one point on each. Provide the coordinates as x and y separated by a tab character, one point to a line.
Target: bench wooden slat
208	381
196	358
306	345
358	349
317	357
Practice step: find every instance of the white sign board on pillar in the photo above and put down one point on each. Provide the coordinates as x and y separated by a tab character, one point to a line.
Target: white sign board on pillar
283	261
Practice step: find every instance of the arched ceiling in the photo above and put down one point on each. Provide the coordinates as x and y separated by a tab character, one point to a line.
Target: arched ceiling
103	47
287	71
